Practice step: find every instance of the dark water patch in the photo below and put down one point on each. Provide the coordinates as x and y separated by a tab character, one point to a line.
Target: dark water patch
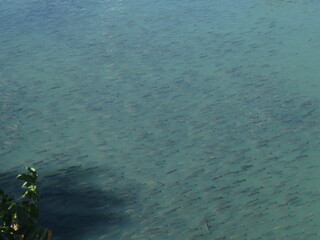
74	206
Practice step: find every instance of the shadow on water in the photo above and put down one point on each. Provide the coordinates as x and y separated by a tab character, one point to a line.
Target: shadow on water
81	203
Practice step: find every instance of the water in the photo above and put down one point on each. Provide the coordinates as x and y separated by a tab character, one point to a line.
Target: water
164	120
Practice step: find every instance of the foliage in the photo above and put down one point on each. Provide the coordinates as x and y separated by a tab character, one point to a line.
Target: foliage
18	219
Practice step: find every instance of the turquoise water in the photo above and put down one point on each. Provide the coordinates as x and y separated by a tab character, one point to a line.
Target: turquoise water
164	119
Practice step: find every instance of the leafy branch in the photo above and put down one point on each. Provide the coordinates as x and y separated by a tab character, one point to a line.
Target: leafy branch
19	219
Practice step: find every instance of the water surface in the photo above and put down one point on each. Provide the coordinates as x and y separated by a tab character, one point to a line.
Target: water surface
164	119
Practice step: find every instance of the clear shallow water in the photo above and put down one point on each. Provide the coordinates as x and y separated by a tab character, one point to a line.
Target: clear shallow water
164	120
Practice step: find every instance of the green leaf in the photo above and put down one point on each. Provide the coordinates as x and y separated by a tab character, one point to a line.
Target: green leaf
12	207
22	216
31	170
26	185
26	177
25	204
32	195
34	211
